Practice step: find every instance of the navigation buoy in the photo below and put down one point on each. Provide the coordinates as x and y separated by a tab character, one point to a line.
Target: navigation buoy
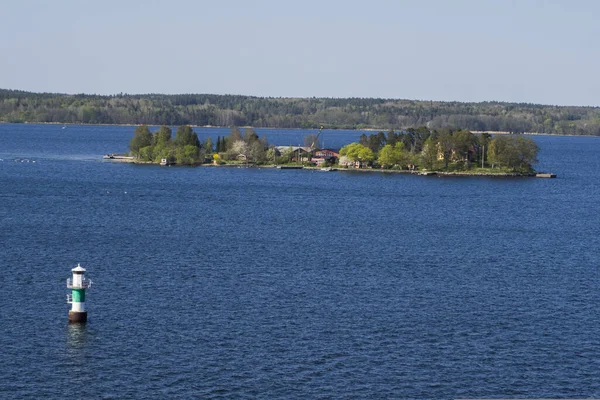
78	284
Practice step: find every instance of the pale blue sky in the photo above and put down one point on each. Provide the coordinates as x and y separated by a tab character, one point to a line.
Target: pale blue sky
464	50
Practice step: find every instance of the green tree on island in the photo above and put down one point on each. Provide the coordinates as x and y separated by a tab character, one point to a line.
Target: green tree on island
246	147
463	146
141	138
393	155
162	145
162	137
208	146
446	149
516	152
429	154
185	136
185	148
357	152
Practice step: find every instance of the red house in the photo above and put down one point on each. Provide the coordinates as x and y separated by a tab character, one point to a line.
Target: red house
326	153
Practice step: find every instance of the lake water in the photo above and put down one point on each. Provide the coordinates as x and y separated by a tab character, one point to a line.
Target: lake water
262	283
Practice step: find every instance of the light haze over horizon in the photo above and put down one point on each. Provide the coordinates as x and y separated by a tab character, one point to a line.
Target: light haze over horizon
464	50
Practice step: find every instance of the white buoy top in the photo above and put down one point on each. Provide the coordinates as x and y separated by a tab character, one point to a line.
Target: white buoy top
78	268
78	281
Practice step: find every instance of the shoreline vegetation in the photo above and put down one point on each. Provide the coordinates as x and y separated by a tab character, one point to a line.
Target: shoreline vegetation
423	151
209	110
476	172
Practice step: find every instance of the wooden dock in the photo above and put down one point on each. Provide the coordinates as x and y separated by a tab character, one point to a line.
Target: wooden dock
124	159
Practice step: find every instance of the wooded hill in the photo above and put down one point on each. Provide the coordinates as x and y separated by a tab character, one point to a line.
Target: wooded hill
349	113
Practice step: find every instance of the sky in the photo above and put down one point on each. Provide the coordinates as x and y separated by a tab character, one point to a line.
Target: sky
532	51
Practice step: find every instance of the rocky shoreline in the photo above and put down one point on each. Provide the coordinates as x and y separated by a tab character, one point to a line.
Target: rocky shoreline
133	160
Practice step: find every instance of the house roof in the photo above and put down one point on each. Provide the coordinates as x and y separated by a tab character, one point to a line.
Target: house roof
328	151
294	148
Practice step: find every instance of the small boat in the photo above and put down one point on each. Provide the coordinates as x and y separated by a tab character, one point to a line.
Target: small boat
545	175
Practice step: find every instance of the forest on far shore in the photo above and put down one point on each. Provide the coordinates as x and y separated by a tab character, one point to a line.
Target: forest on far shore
307	113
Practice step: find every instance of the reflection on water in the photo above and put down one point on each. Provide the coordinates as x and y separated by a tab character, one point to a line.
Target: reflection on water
76	336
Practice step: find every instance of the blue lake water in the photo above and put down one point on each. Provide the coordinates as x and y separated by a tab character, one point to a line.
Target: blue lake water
245	283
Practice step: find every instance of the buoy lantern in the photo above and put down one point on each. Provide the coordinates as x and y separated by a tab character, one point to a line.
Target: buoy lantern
78	285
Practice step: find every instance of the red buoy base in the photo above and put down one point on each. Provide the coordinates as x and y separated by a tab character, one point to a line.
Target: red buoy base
78	316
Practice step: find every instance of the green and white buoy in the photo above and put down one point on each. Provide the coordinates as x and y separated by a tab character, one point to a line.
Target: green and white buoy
78	284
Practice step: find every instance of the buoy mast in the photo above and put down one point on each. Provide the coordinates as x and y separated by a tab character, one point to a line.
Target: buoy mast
78	284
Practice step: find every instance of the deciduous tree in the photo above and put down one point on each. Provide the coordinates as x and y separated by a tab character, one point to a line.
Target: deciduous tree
357	152
513	151
208	146
429	154
234	135
388	156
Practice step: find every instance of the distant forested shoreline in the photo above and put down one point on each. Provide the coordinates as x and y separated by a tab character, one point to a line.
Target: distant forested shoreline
270	112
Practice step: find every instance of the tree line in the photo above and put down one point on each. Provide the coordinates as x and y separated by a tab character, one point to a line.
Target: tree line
442	149
416	148
185	147
307	113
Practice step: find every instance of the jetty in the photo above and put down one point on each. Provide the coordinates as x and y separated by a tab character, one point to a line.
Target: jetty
116	158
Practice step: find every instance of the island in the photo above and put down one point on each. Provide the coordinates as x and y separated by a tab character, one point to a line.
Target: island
420	150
